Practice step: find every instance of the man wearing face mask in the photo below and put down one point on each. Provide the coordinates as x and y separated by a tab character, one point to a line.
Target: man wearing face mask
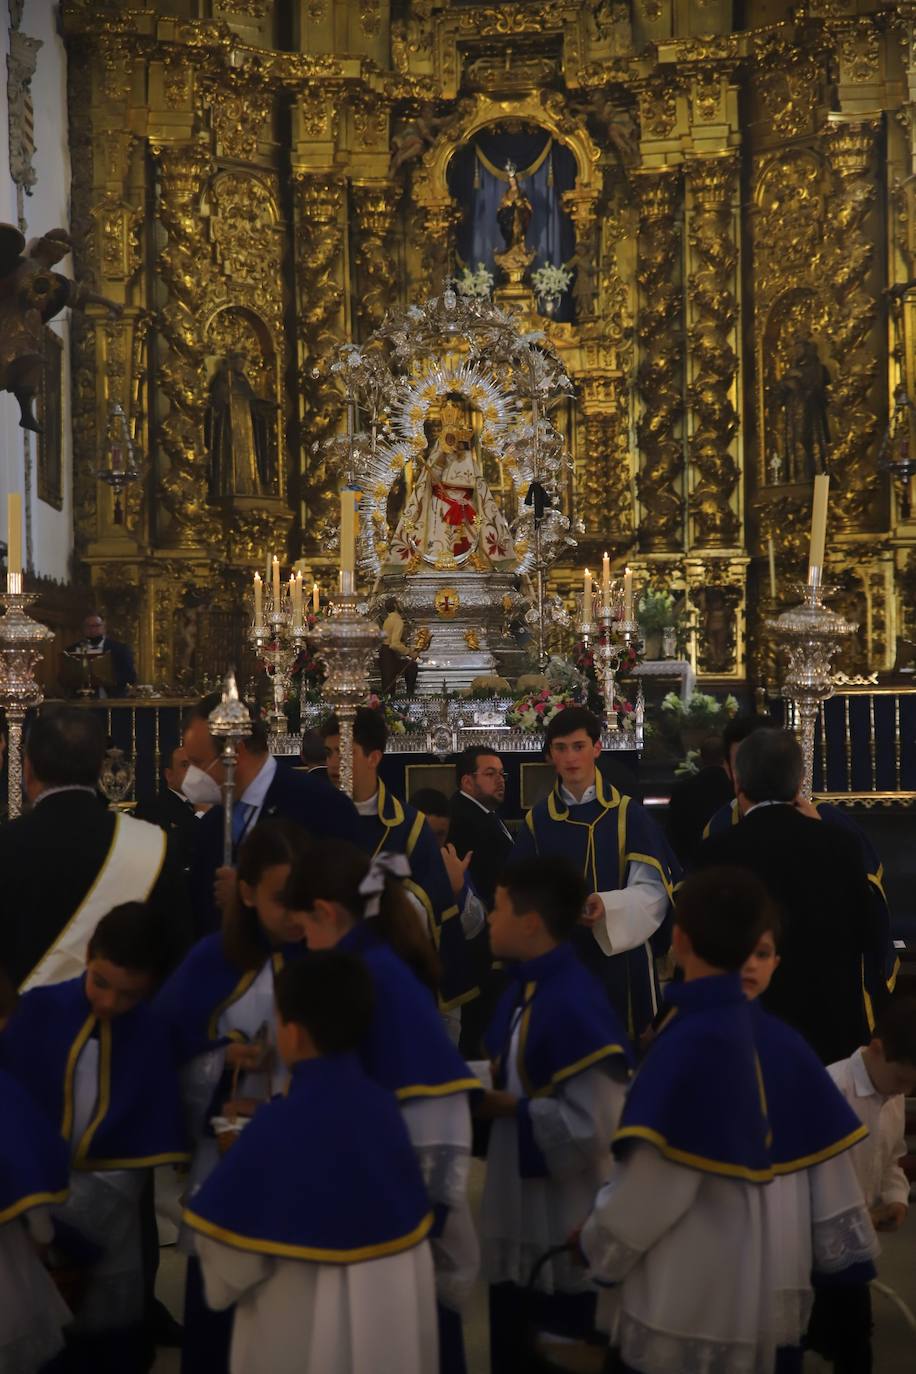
96	642
262	789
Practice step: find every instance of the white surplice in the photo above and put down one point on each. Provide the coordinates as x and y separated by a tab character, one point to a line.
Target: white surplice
877	1157
523	1217
440	1132
689	1251
293	1317
32	1312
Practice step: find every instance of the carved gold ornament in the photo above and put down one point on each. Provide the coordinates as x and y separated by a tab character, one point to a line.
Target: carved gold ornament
446	602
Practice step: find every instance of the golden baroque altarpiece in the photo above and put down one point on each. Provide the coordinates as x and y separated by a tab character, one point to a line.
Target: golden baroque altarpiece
263	183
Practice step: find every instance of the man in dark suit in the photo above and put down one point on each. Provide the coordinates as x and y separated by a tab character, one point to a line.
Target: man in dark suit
262	789
695	799
172	811
54	857
818	879
96	642
475	829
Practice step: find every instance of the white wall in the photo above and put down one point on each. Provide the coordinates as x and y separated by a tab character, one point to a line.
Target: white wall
48	207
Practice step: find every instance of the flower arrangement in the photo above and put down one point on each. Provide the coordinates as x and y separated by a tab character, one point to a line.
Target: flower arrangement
655	610
700	710
476	285
398	723
535	711
550	285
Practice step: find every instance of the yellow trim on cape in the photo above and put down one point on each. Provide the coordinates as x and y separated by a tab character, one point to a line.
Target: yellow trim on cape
104	1097
237	992
866	998
523	1027
892	980
89	1164
414	835
579	1066
25	1204
309	1252
459	1001
692	1161
559	811
456	1085
76	1049
793	1166
636	858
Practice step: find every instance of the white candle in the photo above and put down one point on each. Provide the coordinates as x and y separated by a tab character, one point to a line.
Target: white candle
14	533
587	599
348	531
276	583
258	598
316	598
628	595
818	526
297	601
772	556
605	582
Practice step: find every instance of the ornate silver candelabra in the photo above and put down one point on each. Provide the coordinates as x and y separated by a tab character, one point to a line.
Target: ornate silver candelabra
347	644
609	636
810	634
230	722
21	647
278	636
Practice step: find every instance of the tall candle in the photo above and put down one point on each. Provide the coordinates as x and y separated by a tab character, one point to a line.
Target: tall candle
606	580
316	598
297	600
276	583
628	595
258	598
348	531
14	533
818	526
772	556
587	599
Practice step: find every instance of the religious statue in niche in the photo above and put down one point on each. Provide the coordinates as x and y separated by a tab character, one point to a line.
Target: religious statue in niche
240	434
801	396
30	295
716	605
451	518
514	219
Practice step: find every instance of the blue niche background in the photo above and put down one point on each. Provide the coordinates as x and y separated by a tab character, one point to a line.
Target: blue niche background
478	183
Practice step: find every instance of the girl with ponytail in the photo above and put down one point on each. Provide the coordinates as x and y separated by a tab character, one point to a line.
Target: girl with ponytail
349	902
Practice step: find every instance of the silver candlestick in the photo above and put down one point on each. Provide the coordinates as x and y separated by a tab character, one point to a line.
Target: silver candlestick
810	634
610	639
21	647
278	638
230	722
347	644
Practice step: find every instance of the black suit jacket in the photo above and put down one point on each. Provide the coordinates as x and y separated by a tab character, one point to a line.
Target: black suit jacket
49	859
177	818
471	828
122	663
694	801
818	879
311	801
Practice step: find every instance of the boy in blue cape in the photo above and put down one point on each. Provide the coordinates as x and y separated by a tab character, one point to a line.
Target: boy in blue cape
315	1223
97	1062
395	827
34	1172
625	860
560	1061
680	1227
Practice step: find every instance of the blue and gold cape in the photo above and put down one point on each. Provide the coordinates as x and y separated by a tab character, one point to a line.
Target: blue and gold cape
699	1096
205	983
566	1026
408	1050
602	838
34	1163
326	1174
138	1119
879	976
400	828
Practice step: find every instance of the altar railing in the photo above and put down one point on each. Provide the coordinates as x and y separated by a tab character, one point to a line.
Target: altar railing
865	745
146	730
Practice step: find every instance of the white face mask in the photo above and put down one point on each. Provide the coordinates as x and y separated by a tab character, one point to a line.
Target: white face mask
200	788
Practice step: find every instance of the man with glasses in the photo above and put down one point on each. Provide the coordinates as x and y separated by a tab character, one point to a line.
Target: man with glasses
477	833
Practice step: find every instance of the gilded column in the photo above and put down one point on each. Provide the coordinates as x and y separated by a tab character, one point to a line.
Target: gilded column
605	480
853	413
440	221
375	204
659	372
583	211
712	362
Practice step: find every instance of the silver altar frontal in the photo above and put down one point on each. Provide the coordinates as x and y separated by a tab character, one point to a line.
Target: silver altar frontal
462	619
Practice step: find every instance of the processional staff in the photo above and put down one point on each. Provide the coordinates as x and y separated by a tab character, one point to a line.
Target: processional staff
230	722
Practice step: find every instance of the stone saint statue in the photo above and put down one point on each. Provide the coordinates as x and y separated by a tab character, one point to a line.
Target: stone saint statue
30	295
802	396
450	518
514	218
239	430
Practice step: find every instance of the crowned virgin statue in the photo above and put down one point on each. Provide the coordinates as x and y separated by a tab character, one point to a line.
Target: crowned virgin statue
450	518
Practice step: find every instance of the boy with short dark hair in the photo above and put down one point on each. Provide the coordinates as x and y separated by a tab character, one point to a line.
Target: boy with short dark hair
560	1064
315	1222
623	857
97	1061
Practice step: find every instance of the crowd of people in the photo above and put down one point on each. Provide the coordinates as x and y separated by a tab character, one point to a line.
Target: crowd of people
680	1055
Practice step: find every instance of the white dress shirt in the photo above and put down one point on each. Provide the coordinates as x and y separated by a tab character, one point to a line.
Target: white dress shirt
876	1159
255	793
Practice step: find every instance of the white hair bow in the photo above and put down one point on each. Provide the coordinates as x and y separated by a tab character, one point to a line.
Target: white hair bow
383	866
